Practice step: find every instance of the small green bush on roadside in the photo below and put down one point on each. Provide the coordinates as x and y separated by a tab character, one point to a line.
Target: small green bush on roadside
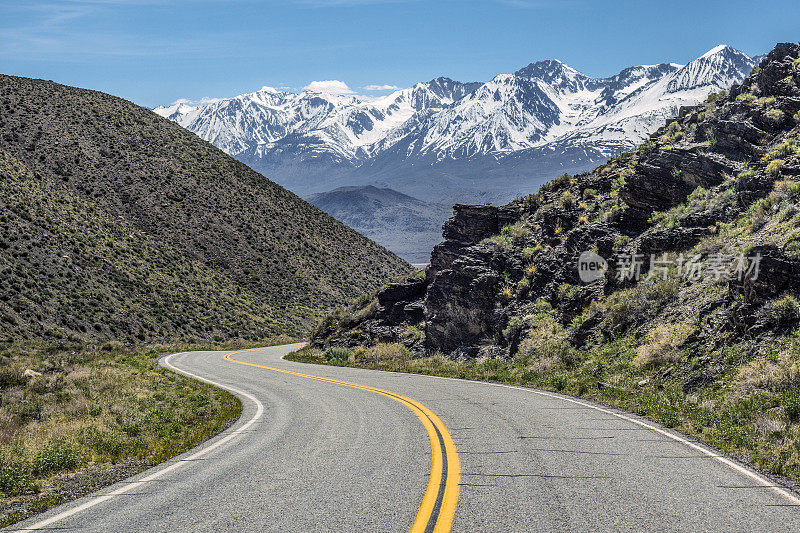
337	354
57	456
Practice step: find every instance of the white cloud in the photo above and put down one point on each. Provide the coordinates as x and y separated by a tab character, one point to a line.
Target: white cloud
380	87
329	86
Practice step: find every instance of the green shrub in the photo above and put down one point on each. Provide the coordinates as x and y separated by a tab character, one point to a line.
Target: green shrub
415	332
12	518
516	231
621	240
528	252
775	115
791	404
747	98
647	146
337	354
775	166
15	479
56	456
673	133
388	352
662	344
713	97
559	382
557	183
782	150
786	310
567	200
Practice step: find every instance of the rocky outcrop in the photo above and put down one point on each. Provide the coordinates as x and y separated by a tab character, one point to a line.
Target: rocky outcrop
665	178
460	307
700	173
469	225
400	303
771	272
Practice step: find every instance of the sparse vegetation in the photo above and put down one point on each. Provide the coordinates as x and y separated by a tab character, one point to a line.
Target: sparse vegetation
775	114
567	200
66	409
662	345
673	134
338	354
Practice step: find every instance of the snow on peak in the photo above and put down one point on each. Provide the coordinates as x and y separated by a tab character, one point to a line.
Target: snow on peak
716	50
546	103
177	108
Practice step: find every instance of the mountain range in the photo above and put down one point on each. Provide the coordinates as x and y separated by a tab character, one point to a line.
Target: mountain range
447	141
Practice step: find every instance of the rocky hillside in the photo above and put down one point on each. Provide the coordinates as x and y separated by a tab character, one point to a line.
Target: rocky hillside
720	180
686	308
117	223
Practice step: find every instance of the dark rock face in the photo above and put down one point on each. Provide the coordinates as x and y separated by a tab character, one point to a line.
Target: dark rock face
775	273
469	225
399	302
460	306
664	179
669	239
463	286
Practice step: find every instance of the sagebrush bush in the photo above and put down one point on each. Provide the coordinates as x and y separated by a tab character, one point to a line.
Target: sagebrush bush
337	354
389	352
786	310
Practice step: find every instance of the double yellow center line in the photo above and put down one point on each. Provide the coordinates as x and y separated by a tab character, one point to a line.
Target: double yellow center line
435	514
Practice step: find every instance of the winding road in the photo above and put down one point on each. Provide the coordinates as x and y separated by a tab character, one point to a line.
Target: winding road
321	448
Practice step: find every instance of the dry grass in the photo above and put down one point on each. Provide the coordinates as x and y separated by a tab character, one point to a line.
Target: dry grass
663	344
767	374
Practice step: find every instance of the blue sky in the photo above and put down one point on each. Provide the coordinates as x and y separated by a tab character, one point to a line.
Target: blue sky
155	51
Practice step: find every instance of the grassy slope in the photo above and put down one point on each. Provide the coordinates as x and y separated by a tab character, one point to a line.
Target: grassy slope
151	176
71	270
690	354
92	416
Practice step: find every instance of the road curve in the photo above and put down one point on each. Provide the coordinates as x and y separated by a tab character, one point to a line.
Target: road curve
339	449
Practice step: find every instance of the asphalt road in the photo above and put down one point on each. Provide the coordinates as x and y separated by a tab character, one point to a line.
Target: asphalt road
311	454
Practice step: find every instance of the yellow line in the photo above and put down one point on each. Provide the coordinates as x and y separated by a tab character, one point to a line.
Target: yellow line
431	422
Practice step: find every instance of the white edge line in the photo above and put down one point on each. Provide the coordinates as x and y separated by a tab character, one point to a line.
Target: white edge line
677	438
158	473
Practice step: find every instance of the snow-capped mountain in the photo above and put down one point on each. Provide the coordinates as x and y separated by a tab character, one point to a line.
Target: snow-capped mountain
449	141
550	102
343	127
